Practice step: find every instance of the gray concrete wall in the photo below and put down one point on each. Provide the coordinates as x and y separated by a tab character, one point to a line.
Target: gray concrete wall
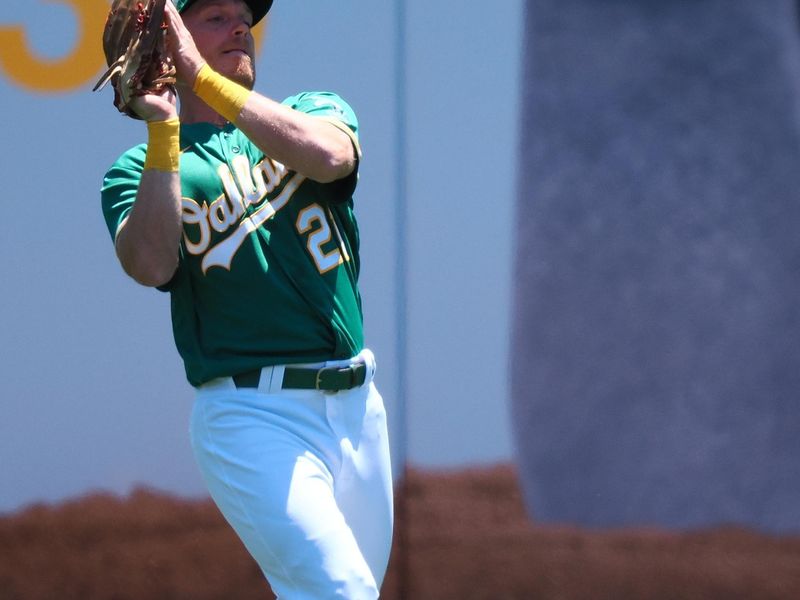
655	363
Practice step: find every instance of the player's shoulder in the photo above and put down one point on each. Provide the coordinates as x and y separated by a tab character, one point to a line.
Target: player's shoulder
317	99
132	159
323	104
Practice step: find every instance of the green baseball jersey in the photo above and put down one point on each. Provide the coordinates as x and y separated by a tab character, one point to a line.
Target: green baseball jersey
269	259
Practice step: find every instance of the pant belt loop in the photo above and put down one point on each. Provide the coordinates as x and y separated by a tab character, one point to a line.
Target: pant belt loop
369	359
271	380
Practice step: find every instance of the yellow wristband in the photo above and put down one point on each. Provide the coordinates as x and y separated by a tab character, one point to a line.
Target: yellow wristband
226	97
163	145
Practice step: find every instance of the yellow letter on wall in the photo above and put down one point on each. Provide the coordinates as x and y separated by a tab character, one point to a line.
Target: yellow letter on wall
23	67
80	67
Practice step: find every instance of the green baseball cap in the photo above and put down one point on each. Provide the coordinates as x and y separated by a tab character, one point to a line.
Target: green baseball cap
259	8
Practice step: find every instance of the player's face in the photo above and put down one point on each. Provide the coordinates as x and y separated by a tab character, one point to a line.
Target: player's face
221	31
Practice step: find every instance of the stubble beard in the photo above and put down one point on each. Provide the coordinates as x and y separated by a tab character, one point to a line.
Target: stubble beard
244	74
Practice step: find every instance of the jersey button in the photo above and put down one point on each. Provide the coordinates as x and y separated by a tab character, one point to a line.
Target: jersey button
235	149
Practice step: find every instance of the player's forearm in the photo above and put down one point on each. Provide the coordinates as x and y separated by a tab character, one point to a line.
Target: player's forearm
149	240
309	145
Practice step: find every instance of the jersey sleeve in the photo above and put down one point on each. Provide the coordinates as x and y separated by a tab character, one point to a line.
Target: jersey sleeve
119	188
332	108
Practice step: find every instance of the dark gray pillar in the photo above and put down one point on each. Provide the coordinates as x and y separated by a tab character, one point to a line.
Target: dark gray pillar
656	354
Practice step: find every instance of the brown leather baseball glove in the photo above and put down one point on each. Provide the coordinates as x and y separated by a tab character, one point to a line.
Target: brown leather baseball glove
135	48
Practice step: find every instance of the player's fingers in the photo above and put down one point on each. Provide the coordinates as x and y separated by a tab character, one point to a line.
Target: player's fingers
174	25
181	46
170	11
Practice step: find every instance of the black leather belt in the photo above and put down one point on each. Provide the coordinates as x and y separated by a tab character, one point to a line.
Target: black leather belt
325	379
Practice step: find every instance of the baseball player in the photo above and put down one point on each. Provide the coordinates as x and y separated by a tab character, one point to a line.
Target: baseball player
241	208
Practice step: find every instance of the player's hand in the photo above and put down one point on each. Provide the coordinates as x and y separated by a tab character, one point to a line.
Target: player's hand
185	55
156	107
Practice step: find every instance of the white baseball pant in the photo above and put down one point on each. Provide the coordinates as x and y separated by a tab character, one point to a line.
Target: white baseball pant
304	479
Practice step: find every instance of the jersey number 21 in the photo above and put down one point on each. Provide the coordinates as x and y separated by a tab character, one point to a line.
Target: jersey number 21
314	220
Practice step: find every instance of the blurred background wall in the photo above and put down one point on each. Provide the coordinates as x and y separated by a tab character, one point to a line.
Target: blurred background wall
631	165
655	351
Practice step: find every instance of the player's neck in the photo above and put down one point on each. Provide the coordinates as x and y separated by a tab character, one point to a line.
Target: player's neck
194	110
